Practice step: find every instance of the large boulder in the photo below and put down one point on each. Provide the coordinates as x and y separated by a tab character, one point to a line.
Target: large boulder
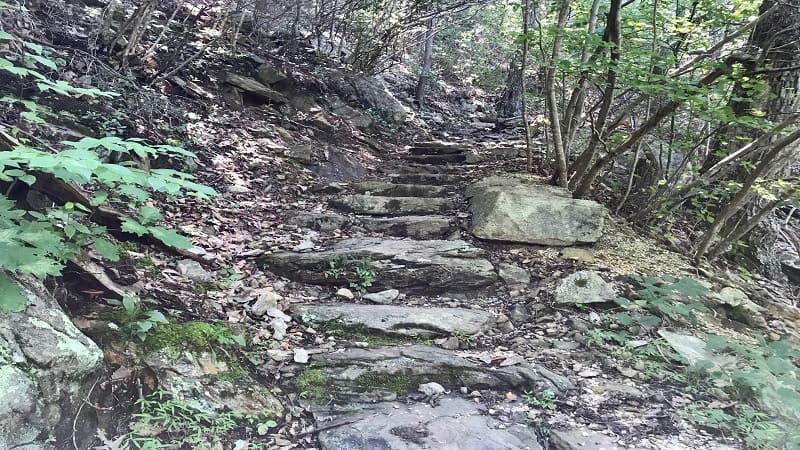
370	91
254	87
46	368
515	209
434	265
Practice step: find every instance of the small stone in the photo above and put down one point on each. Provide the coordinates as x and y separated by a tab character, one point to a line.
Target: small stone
502	318
773	336
566	345
237	189
431	389
512	361
510	396
278	314
512	274
520	314
464	390
584	287
279	328
589	373
300	356
345	293
450	343
475	394
267	300
279	355
192	270
383	297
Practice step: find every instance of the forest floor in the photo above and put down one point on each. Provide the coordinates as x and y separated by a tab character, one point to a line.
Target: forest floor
335	297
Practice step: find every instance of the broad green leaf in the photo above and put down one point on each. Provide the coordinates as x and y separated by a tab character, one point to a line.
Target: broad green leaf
106	249
649	321
129	303
157	317
148	215
132	226
239	340
11	297
170	238
6	36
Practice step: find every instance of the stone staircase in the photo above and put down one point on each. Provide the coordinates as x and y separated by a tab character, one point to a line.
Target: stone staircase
410	239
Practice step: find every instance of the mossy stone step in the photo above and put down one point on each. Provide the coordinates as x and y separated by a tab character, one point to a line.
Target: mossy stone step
454	158
392	206
431	266
399	190
416	227
438	179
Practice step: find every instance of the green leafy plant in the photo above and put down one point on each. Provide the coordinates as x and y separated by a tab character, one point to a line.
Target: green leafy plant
660	297
543	400
164	421
357	271
39	242
135	320
755	427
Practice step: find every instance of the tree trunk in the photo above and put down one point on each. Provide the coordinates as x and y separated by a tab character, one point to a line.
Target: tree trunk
552	101
427	63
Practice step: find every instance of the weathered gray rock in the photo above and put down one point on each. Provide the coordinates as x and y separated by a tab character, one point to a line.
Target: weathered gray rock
370	91
399	190
693	349
435	265
325	222
383	297
381	373
586	286
194	271
583	440
392	206
453	424
303	153
416	227
335	165
740	307
269	74
447	158
254	87
511	209
199	379
400	320
46	368
513	274
352	115
439	179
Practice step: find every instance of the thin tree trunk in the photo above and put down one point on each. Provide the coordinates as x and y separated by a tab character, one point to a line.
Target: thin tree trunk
427	63
523	67
555	120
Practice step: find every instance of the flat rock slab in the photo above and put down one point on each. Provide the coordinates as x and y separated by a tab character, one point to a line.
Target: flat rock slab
451	158
438	179
433	266
392	206
416	150
511	209
454	424
382	373
399	190
417	227
583	440
400	320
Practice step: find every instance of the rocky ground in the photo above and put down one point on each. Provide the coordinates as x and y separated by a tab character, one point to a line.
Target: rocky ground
360	285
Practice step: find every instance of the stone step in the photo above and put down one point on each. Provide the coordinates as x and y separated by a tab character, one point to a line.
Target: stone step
438	144
416	168
436	150
416	227
432	266
400	190
404	321
453	423
392	206
438	179
384	372
455	158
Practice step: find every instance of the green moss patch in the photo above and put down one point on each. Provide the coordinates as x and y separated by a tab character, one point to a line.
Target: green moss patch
312	385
